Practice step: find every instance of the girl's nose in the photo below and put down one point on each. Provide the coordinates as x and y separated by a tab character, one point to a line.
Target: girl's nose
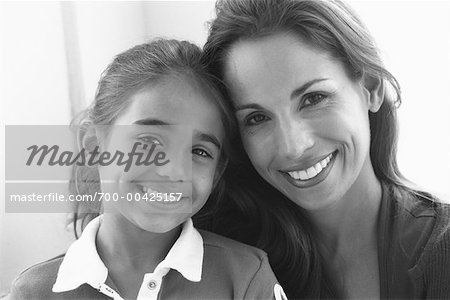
178	167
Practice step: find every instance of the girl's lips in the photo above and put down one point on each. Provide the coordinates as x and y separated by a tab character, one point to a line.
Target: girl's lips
184	187
315	177
165	202
184	193
162	197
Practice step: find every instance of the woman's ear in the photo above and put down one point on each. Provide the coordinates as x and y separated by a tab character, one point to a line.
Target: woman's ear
375	89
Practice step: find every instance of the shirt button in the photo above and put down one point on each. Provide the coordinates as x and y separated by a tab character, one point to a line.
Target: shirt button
151	285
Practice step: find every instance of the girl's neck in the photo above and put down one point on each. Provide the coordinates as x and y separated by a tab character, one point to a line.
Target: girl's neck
122	245
351	222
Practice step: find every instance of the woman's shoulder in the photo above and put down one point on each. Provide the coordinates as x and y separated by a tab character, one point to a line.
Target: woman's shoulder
415	206
418	203
37	280
414	235
431	271
421	221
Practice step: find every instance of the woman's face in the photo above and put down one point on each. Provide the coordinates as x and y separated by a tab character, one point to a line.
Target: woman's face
304	122
177	118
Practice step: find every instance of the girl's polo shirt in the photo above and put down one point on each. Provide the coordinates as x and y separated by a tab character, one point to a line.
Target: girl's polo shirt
82	263
200	265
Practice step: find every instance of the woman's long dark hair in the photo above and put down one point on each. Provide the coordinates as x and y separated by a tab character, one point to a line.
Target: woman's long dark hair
255	213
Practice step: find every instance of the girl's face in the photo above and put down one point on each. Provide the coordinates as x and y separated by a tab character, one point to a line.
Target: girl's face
183	123
304	122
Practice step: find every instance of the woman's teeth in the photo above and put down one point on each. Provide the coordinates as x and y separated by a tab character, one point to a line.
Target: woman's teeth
311	172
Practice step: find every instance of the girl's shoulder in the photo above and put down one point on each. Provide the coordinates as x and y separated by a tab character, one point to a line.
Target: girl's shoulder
36	282
233	256
224	245
247	268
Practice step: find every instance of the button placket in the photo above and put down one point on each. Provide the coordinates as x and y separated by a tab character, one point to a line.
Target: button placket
152	284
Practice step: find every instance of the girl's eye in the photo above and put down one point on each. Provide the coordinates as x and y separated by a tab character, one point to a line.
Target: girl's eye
201	153
150	140
313	99
255	119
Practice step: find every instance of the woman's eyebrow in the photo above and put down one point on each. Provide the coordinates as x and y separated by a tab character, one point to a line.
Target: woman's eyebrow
294	94
246	106
305	86
206	137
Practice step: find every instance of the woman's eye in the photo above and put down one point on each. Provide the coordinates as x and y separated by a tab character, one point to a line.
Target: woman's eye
313	99
255	119
201	152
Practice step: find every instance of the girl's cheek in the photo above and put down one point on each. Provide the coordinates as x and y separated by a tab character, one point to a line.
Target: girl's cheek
202	173
201	188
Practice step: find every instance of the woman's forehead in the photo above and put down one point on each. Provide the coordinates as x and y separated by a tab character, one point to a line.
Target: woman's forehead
280	60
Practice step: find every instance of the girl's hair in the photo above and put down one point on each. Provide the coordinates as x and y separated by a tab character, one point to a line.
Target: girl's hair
285	232
143	65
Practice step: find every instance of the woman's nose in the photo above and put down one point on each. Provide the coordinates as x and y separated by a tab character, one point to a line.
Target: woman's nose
295	138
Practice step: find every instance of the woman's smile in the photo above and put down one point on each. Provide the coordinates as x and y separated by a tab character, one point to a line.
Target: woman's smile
312	175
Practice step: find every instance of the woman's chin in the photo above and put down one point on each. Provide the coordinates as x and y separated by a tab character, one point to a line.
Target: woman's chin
313	203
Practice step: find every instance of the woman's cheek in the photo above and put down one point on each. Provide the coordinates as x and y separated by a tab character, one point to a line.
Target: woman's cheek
258	148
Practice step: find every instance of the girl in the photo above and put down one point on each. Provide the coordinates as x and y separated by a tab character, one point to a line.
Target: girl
158	96
318	123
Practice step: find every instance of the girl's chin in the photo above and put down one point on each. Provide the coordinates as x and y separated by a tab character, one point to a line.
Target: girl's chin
160	224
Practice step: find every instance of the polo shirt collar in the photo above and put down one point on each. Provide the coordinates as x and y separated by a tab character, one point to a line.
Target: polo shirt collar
186	254
82	264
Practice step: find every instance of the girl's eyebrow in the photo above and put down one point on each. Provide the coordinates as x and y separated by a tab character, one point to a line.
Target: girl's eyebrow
202	136
206	137
150	121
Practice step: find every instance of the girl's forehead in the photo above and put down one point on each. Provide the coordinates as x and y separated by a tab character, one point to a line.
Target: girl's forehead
177	100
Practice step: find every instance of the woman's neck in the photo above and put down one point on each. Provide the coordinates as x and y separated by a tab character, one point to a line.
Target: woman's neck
350	223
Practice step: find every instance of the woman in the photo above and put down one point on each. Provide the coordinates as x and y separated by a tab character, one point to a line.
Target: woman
317	117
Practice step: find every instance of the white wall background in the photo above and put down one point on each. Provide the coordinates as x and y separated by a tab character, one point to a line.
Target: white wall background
33	87
414	38
52	55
